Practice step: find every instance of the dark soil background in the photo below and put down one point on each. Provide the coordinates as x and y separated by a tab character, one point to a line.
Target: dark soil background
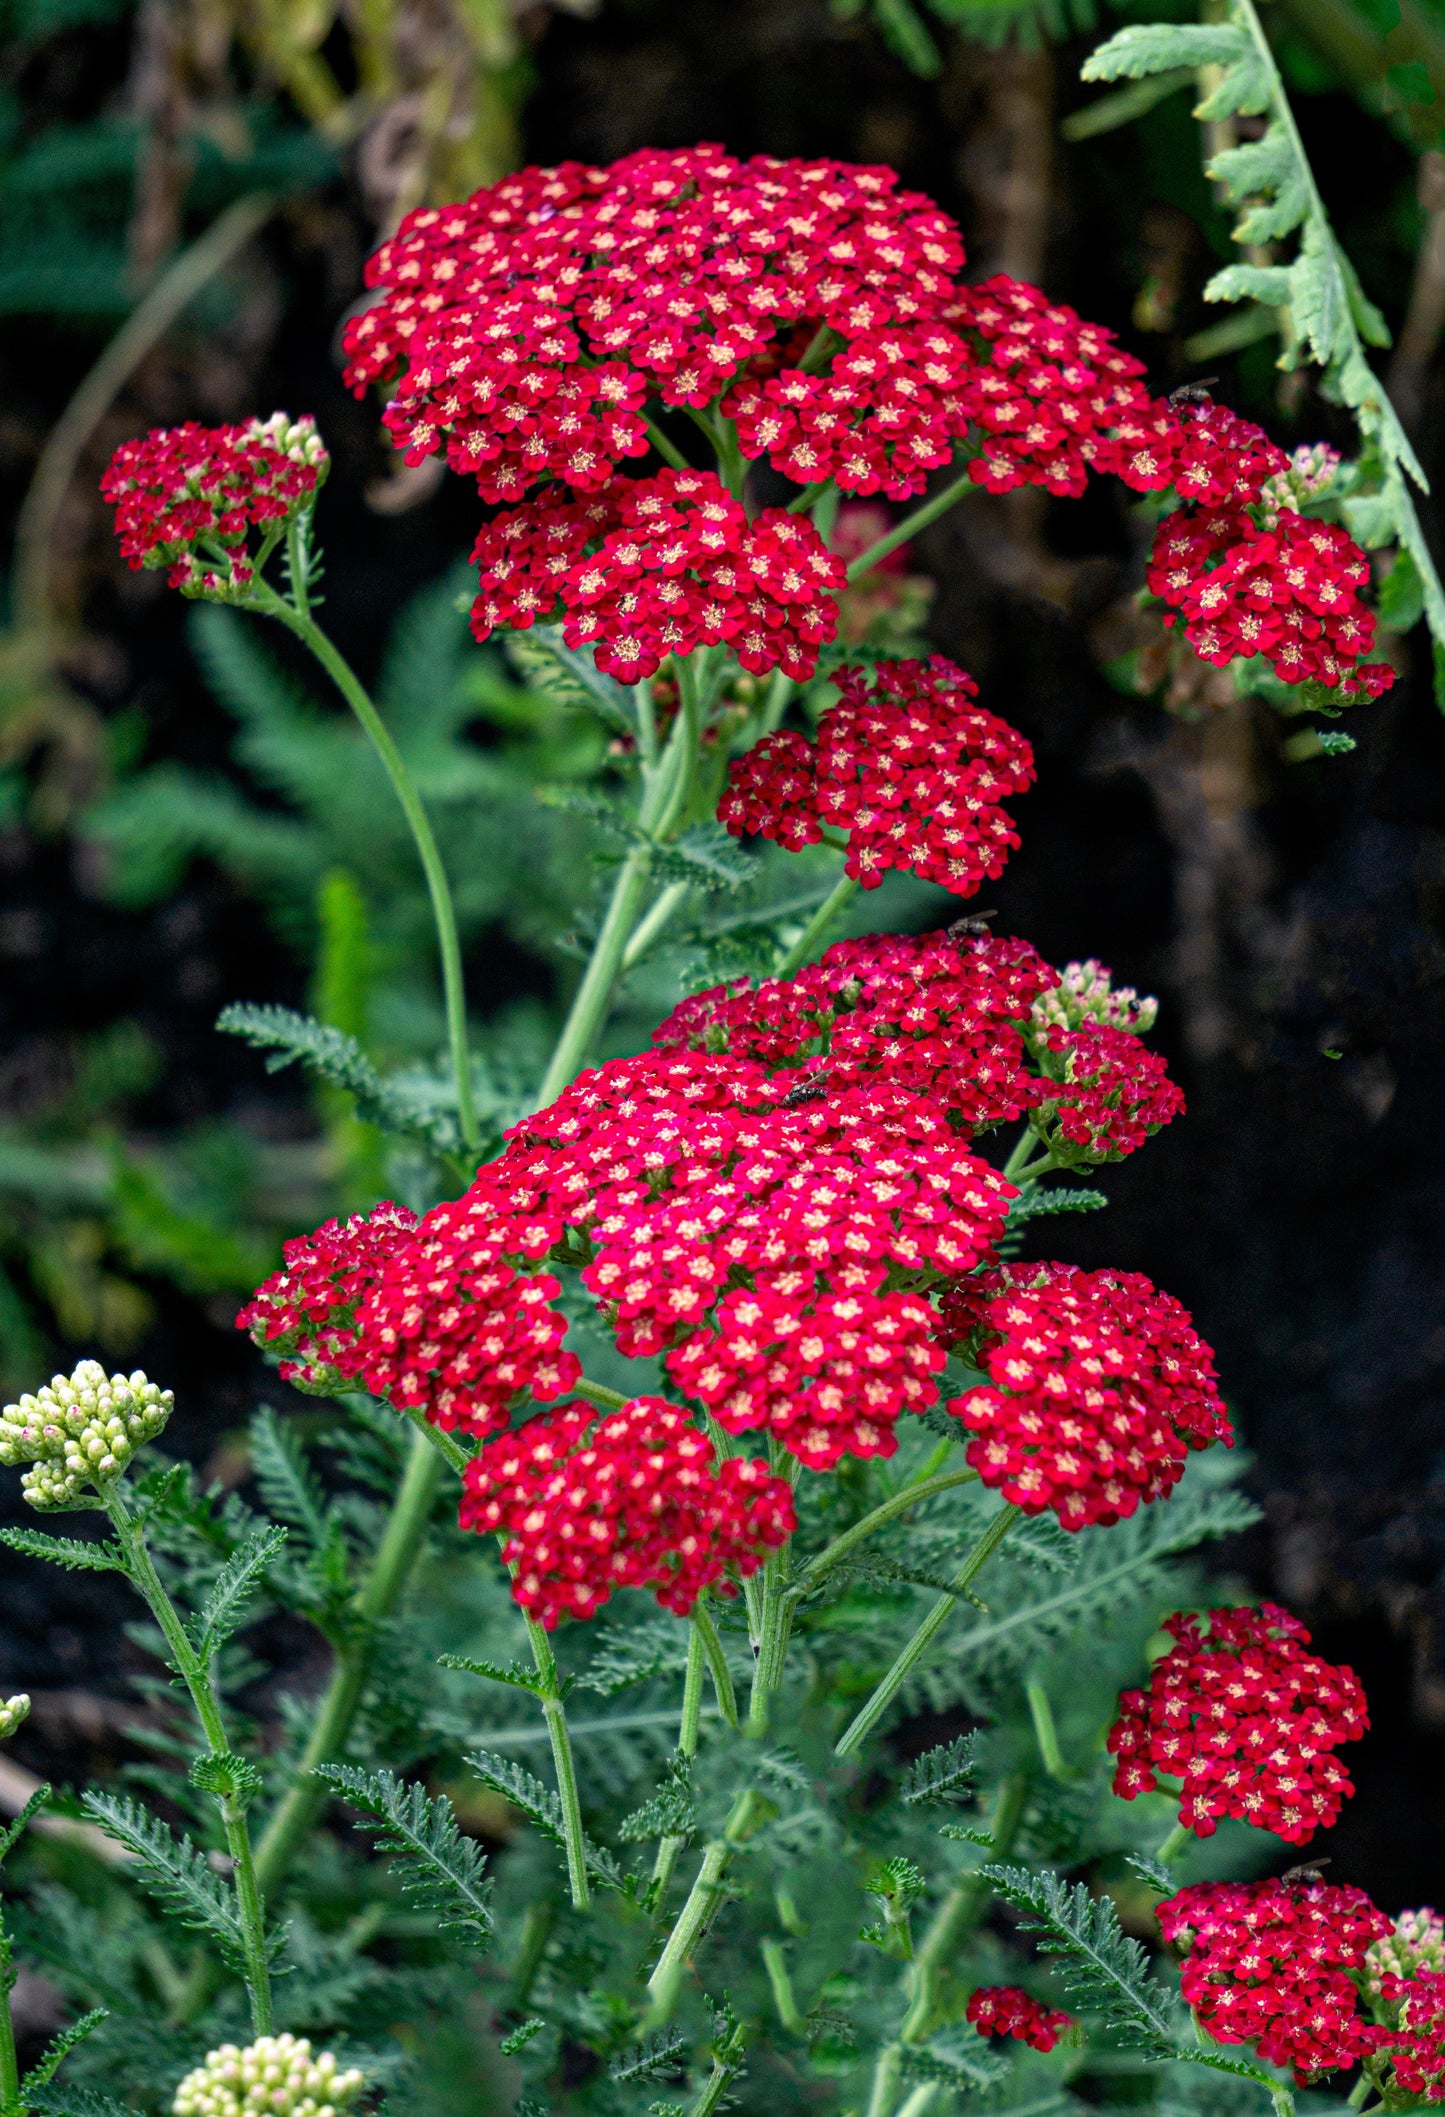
1291	916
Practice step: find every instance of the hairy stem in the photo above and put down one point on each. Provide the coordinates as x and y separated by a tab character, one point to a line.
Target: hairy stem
396	1556
841	894
717	1665
1046	1733
394	765
194	1673
868	1717
702	1901
948	496
887	1511
10	2103
1174	1843
774	1632
563	1762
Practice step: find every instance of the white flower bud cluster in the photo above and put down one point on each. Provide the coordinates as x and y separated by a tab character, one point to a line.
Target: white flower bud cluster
1084	994
1309	472
1417	1943
276	2075
12	1712
80	1429
296	438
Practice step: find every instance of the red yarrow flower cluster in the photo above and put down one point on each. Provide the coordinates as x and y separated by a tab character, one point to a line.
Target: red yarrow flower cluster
1247	1720
633	1499
1289	593
1417	2045
536	317
1047	390
661	566
1098	1389
907	764
939	1015
181	488
749	1241
436	1314
1207	454
1007	2010
1268	1963
1112	1092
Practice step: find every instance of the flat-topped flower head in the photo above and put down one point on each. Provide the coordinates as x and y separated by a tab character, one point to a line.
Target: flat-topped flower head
652	567
80	1429
437	1314
1416	1943
1007	2010
13	1714
1247	1720
1098	1389
1104	1093
907	764
188	498
1273	1964
634	1498
276	2076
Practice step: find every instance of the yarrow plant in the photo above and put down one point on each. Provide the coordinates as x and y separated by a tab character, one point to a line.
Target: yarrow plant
682	1374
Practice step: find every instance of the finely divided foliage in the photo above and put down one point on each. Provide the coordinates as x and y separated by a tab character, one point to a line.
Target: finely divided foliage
744	1333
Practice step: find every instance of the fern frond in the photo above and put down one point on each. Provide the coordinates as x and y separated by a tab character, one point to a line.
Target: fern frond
707	857
1101	1966
439	1869
10	1836
1330	320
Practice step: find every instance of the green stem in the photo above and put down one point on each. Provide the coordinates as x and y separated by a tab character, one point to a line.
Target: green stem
774	1632
886	1511
1023	1147
957	489
775	1962
923	2098
536	1929
885	2081
724	2071
1174	1844
1283	2096
195	1674
656	921
1046	1734
563	1763
717	1664
10	2103
923	1638
444	917
396	1556
795	957
687	1738
598	1393
702	1901
808	497
664	798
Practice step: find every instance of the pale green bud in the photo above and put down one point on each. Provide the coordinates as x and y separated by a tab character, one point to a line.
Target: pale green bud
1309	472
1417	1943
12	1712
276	2075
296	438
1085	993
80	1429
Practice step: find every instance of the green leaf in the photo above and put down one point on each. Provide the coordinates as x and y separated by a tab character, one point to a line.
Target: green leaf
570	675
523	2035
1152	1871
1402	594
1038	1204
172	1870
1317	298
10	1836
958	2058
60	2047
541	1807
906	35
1160	47
288	1484
439	1869
707	857
227	1776
621	1656
655	2056
1269	284
1334	744
333	1056
943	1774
224	1610
65	2101
515	1674
1101	1967
65	1551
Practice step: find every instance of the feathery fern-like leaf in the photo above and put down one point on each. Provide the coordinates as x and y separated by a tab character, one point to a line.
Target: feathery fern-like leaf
172	1870
1101	1966
439	1869
231	1592
66	1551
941	1774
540	1806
